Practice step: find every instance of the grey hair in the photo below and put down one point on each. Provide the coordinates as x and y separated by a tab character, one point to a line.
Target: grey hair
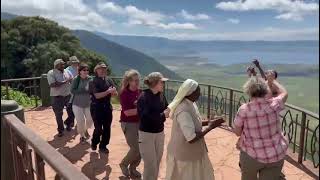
255	87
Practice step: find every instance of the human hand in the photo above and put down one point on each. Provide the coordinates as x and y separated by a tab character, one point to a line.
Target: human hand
251	71
270	76
111	90
215	123
166	112
135	102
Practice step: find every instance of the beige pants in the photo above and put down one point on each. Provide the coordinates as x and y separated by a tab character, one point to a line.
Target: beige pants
151	149
84	119
251	168
131	134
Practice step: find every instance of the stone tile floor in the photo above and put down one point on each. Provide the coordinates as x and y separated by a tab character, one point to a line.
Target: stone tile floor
221	144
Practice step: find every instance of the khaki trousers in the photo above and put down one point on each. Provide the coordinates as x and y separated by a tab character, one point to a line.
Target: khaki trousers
133	157
151	147
84	119
252	169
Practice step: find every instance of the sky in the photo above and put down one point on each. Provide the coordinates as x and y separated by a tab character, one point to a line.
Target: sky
248	20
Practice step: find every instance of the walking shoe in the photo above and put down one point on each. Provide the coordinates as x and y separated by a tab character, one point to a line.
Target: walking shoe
70	125
60	134
93	147
87	135
68	128
134	173
104	150
124	169
83	140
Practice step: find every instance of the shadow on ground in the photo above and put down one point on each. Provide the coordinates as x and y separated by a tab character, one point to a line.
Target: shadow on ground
96	166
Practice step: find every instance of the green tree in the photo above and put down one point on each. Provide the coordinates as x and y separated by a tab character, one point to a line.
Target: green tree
29	46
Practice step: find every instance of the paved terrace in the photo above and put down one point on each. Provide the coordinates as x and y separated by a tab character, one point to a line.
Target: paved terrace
221	144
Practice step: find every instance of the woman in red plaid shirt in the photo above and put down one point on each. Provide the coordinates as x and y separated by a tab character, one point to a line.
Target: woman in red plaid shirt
262	143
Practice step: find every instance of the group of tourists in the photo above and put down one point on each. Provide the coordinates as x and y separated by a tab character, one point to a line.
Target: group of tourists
143	113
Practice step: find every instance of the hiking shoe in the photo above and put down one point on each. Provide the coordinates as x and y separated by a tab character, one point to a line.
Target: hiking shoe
124	169
68	128
104	150
60	134
83	140
134	173
87	135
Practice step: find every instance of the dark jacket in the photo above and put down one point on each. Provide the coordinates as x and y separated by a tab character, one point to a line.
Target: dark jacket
150	110
98	85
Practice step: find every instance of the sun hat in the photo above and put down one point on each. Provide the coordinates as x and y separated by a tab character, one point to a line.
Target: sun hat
57	62
100	65
73	60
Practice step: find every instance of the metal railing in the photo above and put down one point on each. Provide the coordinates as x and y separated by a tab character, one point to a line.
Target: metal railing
30	153
299	125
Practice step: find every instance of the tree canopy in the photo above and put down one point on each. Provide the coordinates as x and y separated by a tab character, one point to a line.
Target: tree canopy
29	46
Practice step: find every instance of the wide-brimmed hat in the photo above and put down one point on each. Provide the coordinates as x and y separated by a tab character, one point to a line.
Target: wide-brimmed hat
100	65
57	62
73	60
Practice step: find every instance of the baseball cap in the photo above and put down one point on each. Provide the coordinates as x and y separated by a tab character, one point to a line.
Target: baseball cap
156	76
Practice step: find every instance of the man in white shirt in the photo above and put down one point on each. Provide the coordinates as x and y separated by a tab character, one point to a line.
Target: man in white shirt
60	83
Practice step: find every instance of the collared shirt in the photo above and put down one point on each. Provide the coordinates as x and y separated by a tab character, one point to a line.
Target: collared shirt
73	71
56	75
262	137
128	100
98	85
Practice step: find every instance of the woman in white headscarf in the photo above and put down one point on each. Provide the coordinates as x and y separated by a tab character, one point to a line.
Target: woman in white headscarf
187	156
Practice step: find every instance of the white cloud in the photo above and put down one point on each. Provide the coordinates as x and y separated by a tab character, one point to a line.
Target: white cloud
191	17
267	34
142	17
234	21
178	26
72	14
110	6
288	9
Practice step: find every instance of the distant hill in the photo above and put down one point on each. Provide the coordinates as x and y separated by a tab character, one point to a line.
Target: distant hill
222	52
122	58
7	16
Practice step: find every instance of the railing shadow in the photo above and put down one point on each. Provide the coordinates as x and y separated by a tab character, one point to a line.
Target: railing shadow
302	167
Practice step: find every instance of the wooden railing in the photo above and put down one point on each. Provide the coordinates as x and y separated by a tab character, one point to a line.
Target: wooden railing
30	153
299	125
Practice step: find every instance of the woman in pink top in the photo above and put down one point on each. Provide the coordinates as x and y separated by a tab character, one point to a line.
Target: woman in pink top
130	122
262	144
